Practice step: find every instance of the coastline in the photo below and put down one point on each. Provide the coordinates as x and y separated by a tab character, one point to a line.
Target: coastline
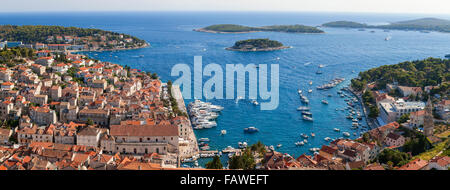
256	50
114	49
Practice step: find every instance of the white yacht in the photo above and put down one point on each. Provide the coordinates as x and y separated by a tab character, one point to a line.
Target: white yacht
307	118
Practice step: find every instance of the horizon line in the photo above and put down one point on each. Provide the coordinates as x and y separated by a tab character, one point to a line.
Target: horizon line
220	11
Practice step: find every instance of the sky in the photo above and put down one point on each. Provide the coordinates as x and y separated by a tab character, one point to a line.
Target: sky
371	6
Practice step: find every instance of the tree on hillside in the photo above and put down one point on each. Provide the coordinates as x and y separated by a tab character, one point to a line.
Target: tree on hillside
214	164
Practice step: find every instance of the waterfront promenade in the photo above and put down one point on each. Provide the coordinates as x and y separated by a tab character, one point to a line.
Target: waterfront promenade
191	149
370	122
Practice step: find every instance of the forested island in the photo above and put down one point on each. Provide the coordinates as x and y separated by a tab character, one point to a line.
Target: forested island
257	45
233	28
423	24
77	38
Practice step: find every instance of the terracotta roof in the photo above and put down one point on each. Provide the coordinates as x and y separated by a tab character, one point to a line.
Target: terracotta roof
144	130
416	164
442	161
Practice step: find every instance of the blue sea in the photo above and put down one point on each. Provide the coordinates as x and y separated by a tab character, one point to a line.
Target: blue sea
344	52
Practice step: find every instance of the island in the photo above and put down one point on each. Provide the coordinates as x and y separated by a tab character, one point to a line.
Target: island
423	24
233	28
61	38
257	45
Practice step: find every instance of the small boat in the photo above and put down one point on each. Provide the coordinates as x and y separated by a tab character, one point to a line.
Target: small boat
203	139
306	113
304	135
327	139
306	118
321	66
278	58
303	108
279	145
310	90
305	141
308	63
251	130
324	102
254	102
313	134
204	148
319	72
346	134
299	143
223	132
310	82
271	147
355	124
299	91
242	144
336	129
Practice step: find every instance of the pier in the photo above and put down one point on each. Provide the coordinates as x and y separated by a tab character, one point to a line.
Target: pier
192	147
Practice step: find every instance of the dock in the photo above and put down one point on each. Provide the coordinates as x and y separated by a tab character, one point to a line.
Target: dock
208	152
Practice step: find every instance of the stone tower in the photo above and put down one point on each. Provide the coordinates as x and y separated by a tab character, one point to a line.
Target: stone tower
428	124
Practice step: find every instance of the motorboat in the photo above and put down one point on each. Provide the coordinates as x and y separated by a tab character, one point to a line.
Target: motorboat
336	129
251	130
307	118
346	134
313	134
203	139
324	102
303	108
306	113
327	139
304	135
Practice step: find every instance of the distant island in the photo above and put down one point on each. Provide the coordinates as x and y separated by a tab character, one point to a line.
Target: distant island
423	24
257	45
68	38
233	28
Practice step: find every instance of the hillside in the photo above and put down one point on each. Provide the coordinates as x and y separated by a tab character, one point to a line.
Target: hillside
344	24
421	73
233	28
423	24
93	38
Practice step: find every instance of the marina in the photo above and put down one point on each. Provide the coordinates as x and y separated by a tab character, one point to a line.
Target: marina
282	125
